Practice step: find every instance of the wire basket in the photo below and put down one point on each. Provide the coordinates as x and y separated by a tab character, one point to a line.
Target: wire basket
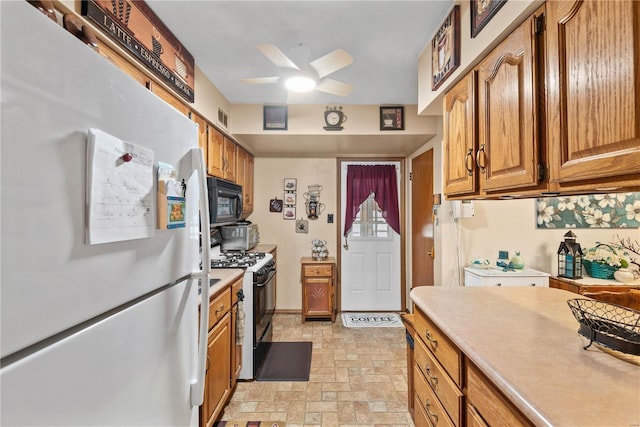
609	325
599	271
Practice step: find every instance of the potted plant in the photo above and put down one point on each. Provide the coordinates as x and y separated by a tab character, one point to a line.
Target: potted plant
602	261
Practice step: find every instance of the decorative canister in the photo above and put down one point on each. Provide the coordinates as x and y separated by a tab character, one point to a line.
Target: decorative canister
517	261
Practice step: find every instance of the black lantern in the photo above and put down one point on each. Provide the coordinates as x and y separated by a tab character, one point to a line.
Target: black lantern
570	257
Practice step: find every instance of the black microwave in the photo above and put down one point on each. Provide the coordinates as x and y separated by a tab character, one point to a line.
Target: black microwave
225	201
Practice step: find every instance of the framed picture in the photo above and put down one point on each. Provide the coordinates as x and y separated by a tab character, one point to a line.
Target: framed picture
274	117
290	184
391	118
445	49
302	226
289	198
289	212
275	205
481	12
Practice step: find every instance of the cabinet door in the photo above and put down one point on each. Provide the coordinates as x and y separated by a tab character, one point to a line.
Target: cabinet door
248	185
120	62
217	383
229	159
236	347
215	153
202	132
593	65
318	296
169	98
508	143
460	171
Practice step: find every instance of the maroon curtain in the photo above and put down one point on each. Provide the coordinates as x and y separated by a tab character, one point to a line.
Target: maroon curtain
362	180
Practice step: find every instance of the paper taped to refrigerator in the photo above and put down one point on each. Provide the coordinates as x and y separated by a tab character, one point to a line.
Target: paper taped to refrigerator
119	189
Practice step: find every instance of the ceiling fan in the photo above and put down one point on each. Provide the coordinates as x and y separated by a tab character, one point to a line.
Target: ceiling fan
306	78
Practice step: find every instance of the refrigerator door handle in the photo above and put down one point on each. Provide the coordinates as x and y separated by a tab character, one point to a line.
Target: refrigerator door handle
197	384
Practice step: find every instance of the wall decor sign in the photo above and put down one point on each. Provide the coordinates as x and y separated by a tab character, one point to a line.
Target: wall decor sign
445	49
289	212
481	13
133	25
290	184
391	118
618	210
275	205
274	117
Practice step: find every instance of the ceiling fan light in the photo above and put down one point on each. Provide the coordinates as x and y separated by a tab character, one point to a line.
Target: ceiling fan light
300	84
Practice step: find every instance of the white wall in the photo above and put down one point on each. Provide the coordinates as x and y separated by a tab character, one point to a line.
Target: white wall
269	178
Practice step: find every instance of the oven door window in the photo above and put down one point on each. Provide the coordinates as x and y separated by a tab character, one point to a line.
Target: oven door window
264	306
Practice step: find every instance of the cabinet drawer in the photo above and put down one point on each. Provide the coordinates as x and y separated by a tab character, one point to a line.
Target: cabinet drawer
444	388
473	418
445	352
517	281
420	415
317	270
427	401
490	404
219	306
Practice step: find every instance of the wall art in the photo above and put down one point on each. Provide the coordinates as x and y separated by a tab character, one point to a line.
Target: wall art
275	205
618	210
289	212
481	13
445	49
275	117
391	118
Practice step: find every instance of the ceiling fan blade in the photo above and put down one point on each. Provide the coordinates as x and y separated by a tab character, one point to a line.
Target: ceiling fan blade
331	62
260	80
275	55
334	87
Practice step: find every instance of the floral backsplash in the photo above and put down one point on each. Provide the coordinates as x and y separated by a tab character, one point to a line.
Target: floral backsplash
619	210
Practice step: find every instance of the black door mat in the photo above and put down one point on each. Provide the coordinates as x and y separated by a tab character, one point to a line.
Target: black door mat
286	361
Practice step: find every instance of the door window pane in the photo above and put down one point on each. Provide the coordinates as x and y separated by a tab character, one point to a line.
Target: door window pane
369	222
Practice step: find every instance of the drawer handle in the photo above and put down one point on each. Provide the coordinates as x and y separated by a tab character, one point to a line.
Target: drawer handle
432	378
498	284
219	309
533	284
431	414
431	339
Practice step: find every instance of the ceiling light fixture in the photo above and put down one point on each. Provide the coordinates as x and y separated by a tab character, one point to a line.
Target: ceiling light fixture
300	84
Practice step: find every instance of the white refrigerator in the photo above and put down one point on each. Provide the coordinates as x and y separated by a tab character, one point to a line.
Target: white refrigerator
91	334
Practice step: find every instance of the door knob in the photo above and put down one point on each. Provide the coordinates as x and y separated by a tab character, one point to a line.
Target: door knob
432	252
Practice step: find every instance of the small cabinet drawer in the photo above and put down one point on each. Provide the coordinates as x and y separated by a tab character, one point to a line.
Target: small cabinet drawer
318	270
517	281
445	352
444	388
427	400
219	306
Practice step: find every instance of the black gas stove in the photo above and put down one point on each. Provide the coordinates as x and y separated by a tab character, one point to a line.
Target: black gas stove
236	259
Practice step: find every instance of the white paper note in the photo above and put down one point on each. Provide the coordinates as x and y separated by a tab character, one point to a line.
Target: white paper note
119	189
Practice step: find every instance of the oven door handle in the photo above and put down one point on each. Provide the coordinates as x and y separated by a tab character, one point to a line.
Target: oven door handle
262	285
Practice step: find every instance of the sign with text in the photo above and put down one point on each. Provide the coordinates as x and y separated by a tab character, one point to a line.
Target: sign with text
134	26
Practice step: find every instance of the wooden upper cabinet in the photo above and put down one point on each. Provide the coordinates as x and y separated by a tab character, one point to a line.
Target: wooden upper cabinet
593	79
215	153
169	98
221	155
460	171
244	177
229	159
202	132
124	65
509	147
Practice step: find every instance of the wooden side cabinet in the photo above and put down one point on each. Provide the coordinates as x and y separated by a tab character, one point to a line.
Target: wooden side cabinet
588	284
318	288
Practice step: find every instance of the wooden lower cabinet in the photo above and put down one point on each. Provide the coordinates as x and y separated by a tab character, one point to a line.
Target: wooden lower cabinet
318	293
236	346
217	385
447	389
489	404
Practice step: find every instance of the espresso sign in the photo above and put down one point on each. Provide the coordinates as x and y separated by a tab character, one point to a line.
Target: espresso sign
134	25
445	49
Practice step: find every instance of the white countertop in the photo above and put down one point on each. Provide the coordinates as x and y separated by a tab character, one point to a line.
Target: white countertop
525	340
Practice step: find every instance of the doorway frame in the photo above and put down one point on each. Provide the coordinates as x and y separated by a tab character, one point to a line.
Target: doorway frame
402	212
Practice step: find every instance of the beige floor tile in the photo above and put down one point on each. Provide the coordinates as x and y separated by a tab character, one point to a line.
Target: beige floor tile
358	378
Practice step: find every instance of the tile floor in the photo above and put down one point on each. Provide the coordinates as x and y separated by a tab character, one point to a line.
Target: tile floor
358	378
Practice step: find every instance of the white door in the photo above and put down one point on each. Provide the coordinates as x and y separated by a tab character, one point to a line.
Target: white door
370	256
